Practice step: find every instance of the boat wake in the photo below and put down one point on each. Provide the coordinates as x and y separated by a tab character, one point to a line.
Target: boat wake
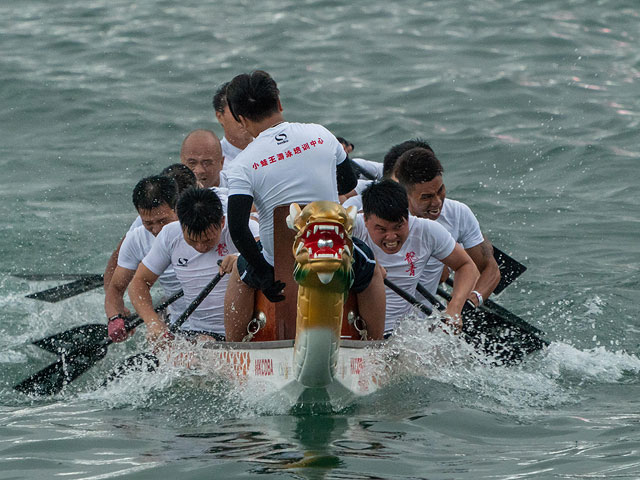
424	367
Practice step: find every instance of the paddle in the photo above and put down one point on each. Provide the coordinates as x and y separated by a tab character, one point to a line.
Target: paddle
41	277
492	331
510	269
62	292
173	328
507	344
147	361
408	297
51	379
416	303
69	340
495	309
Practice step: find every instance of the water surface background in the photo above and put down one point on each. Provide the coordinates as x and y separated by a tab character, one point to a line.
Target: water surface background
533	109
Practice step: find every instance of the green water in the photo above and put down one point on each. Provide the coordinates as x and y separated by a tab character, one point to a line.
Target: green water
533	109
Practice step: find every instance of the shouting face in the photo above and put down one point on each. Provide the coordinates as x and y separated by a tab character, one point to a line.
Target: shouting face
389	236
426	198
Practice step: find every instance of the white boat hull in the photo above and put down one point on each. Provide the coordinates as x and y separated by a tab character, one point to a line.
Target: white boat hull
270	367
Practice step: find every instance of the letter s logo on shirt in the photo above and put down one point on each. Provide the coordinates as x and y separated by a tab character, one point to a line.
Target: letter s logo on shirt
182	262
281	138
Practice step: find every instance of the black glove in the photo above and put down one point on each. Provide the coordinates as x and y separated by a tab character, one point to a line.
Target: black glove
272	288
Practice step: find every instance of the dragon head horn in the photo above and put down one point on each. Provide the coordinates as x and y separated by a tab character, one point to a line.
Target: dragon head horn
352	211
294	212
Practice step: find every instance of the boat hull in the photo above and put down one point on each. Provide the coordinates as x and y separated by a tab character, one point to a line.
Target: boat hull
269	368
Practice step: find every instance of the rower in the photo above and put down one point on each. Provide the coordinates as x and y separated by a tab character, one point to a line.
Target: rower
154	198
385	170
287	162
236	138
420	172
403	244
192	247
202	153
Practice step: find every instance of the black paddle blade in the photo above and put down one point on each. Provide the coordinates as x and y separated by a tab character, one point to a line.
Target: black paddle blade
40	277
62	292
510	269
73	339
52	379
506	343
140	362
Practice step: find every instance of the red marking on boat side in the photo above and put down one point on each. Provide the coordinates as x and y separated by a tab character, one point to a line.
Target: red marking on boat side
357	365
239	361
263	367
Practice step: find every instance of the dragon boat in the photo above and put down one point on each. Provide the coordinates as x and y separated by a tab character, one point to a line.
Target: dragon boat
311	347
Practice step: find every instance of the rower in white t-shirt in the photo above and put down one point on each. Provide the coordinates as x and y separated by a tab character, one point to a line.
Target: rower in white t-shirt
134	249
285	163
236	138
192	247
229	152
154	197
421	172
458	219
403	245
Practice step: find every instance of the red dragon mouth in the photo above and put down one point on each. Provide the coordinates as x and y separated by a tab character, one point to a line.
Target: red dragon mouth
324	241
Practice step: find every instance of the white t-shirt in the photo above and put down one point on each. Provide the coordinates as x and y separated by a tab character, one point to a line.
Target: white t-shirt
229	152
290	162
134	248
458	219
194	271
356	200
136	223
223	194
374	169
426	239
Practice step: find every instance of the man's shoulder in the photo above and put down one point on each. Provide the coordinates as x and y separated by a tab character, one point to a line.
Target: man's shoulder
424	227
454	209
170	232
137	235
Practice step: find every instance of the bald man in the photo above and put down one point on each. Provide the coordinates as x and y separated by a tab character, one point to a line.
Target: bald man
202	153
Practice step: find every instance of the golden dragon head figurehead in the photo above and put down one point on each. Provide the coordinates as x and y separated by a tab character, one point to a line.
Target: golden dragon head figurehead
323	244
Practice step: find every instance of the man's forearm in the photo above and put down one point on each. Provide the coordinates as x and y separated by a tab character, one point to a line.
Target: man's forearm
238	210
114	300
140	295
464	281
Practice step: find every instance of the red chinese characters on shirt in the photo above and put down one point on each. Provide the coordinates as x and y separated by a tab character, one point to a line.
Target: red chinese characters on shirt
222	249
410	258
289	153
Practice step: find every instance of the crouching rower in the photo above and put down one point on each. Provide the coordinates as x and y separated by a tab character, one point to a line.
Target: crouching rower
403	244
154	198
420	172
192	246
287	162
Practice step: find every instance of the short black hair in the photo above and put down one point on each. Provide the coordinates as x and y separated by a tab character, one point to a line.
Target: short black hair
154	191
220	98
253	95
387	200
346	143
394	153
182	175
198	210
417	165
